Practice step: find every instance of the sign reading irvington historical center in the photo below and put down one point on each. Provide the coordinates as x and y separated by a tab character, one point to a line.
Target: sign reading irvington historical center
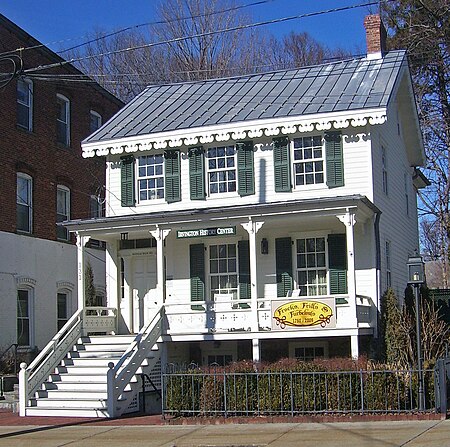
318	314
202	232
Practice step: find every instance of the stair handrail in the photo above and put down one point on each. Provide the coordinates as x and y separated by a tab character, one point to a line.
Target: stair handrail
3	354
120	374
32	376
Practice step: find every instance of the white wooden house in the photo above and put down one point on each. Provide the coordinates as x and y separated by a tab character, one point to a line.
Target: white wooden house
260	216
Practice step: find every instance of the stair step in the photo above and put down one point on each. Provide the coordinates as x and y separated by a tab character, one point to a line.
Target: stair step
67	411
89	361
74	394
91	353
74	385
64	403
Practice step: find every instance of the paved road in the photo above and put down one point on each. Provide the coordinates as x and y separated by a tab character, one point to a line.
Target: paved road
349	434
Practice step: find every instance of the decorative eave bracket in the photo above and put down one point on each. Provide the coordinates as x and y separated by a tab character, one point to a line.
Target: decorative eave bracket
238	131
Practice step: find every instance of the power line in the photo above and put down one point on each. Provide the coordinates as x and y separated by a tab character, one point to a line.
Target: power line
129	28
209	33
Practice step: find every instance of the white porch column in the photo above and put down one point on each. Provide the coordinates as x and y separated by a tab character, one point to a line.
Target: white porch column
252	228
349	220
81	241
256	350
159	234
354	346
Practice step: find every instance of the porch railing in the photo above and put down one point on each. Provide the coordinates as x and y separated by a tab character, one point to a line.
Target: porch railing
220	393
81	323
121	389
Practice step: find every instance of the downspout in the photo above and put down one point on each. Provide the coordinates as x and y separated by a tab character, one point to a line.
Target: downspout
378	268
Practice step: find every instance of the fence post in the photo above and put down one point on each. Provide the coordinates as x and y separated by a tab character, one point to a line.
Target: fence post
110	386
225	393
23	389
361	381
440	386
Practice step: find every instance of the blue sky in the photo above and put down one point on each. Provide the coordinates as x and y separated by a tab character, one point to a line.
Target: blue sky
62	23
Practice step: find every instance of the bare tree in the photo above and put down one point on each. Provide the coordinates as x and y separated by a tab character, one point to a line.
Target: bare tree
422	27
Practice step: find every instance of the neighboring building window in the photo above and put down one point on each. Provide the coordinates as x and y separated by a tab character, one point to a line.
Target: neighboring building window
24	317
311	266
151	177
221	165
384	170
308	161
62	211
95	207
63	120
388	265
25	104
63	306
223	269
24	203
95	121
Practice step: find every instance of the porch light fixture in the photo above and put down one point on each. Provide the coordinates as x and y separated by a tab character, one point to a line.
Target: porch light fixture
264	246
416	277
123	236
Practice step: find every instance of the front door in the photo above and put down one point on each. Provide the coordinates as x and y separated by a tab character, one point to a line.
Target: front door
144	290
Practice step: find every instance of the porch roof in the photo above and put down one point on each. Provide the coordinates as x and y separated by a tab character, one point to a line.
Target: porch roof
328	205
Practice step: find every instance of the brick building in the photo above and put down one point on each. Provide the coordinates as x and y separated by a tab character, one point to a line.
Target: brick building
44	116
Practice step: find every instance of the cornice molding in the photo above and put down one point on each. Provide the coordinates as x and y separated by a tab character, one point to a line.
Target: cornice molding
239	131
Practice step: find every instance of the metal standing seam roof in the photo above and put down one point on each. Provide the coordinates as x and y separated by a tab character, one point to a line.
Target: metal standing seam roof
335	87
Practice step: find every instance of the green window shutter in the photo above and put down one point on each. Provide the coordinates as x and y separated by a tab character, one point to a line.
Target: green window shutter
197	173
282	165
197	271
244	271
245	167
335	159
283	258
127	181
337	263
172	176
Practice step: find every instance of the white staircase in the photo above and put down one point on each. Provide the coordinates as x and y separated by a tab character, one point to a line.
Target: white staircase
78	386
89	376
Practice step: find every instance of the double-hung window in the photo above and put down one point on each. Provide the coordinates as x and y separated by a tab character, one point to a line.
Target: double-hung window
223	273
24	317
63	120
151	177
308	161
24	203
221	165
311	266
62	309
62	211
25	104
95	121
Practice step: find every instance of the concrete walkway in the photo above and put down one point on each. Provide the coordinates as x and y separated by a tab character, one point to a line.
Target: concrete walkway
125	433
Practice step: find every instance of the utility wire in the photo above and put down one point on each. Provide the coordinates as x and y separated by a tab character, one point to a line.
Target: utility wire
129	28
209	33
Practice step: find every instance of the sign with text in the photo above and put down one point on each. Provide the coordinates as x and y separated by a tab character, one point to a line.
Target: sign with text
304	314
206	232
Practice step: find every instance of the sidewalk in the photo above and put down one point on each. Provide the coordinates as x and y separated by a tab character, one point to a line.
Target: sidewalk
153	431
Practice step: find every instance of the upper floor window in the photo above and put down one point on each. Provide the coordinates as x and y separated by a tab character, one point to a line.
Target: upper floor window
221	169
62	211
308	161
63	120
151	177
24	202
25	103
95	121
384	170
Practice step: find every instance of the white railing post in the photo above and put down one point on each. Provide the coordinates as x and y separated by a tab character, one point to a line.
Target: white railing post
110	386
23	389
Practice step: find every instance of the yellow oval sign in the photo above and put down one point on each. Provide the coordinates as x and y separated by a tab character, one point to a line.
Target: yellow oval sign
303	313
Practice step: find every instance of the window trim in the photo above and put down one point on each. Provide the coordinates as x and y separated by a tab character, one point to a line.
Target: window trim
63	99
29	180
323	159
67	215
139	178
208	170
29	105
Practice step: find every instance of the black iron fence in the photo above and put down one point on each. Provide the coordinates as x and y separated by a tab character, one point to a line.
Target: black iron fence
218	392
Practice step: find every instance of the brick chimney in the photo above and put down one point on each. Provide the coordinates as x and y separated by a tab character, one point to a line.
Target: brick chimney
375	36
